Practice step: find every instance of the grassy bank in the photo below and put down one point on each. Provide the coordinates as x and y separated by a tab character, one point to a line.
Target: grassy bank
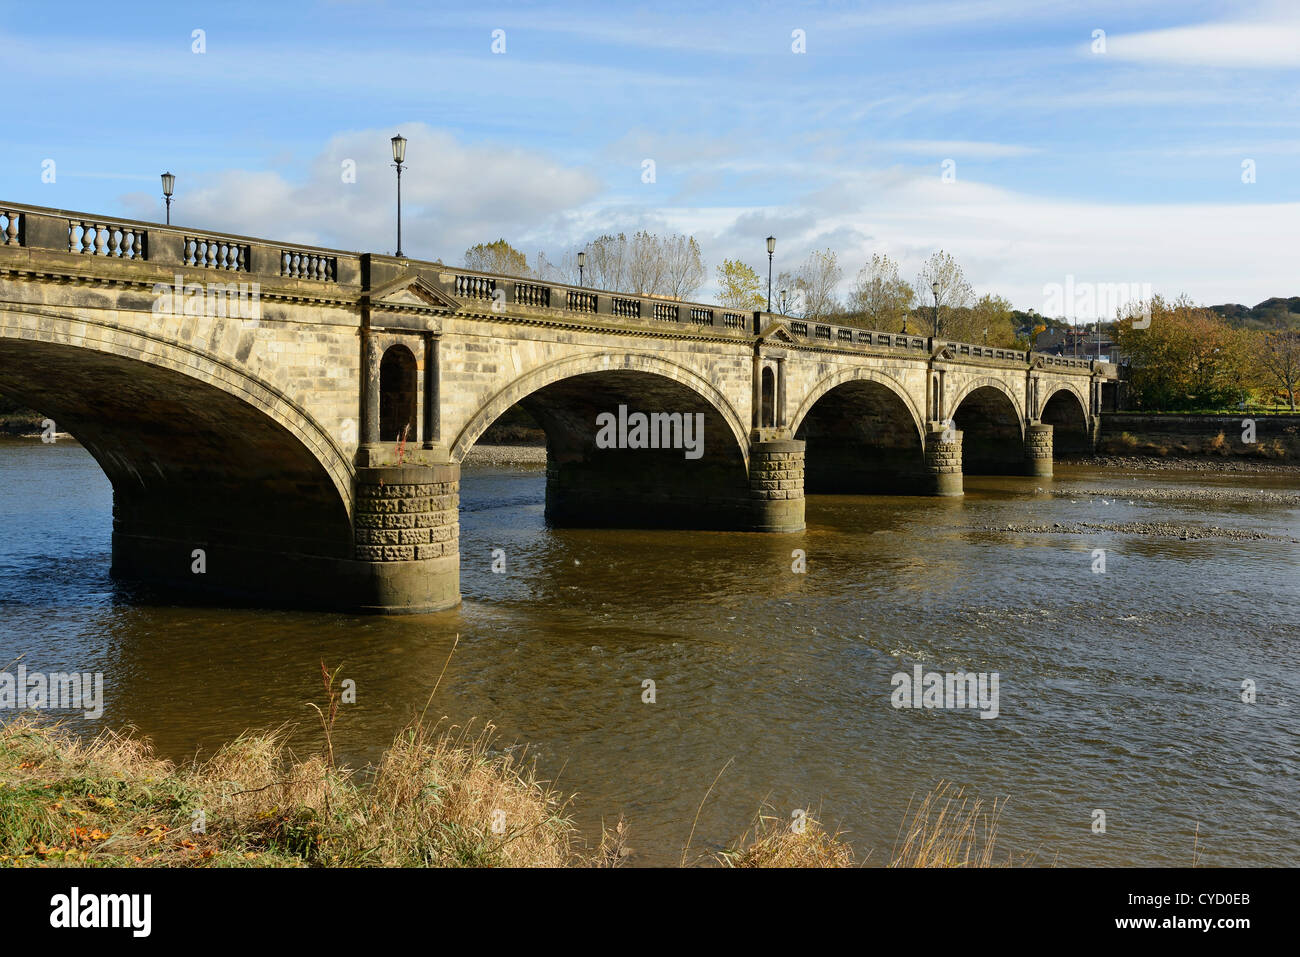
444	799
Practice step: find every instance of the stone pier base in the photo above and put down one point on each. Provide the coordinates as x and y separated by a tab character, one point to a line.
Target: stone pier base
1038	451
408	538
942	462
776	485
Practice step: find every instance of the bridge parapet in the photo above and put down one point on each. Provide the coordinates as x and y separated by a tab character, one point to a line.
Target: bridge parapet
64	236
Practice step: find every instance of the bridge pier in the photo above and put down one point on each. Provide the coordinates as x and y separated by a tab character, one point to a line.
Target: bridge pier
408	537
776	485
943	475
1038	450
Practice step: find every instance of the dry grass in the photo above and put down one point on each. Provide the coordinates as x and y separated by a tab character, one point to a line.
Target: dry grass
948	829
778	842
437	798
441	800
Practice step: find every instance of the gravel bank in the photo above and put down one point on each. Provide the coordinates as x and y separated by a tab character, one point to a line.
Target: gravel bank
1186	533
1223	496
506	455
1183	464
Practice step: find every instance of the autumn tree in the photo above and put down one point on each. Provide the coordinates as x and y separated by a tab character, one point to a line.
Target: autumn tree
1182	356
498	257
1276	353
739	286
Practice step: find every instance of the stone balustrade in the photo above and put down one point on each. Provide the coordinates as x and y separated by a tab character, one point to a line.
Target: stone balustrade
37	227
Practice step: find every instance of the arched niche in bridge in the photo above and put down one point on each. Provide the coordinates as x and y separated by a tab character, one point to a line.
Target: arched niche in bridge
768	416
397	394
1065	412
862	438
993	437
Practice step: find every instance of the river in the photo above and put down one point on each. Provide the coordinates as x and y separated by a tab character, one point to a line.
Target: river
1118	690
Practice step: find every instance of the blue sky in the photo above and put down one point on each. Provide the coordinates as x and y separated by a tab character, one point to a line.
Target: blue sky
1115	166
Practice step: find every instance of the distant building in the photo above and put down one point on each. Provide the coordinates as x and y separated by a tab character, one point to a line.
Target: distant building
1080	342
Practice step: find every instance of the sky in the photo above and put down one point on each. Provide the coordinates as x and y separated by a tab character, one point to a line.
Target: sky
1153	144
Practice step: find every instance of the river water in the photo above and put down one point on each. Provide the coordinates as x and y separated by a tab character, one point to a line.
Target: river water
1119	691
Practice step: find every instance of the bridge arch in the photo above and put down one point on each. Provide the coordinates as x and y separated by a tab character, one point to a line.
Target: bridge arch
863	435
561	369
202	451
689	469
991	418
1067	412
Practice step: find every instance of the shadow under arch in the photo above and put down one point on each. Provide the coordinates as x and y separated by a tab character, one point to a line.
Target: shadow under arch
224	463
1067	413
992	425
697	477
863	436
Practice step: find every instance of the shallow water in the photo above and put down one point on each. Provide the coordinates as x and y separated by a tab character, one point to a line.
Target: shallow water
1117	691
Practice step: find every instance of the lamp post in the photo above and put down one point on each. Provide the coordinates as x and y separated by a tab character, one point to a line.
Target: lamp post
168	184
582	263
783	302
771	248
934	287
399	155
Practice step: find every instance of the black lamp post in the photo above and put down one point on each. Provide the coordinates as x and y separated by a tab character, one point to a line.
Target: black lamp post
399	155
169	185
783	302
934	287
771	248
582	263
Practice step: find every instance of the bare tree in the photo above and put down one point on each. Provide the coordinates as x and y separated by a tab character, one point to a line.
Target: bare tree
683	266
607	258
954	292
811	288
880	299
646	267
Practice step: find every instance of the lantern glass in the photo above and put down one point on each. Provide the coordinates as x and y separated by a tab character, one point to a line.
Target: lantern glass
399	148
771	244
168	183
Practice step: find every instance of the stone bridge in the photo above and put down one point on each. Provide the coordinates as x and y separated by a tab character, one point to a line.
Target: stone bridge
287	423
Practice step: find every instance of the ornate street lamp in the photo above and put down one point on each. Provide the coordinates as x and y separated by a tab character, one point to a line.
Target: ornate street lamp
783	302
399	156
582	263
934	287
168	184
771	248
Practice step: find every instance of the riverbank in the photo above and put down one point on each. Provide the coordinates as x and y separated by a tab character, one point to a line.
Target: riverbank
446	799
506	455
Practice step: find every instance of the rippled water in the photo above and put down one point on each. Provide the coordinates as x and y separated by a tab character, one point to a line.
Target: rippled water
1118	691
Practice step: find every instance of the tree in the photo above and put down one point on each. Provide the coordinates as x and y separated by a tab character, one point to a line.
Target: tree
879	298
990	322
607	262
1277	356
954	292
683	267
1187	357
498	257
811	287
739	286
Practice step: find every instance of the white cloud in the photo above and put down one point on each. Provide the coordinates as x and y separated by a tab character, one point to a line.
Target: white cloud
1009	242
1263	43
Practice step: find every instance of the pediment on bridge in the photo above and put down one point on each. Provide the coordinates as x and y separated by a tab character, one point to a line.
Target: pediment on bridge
412	291
777	332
